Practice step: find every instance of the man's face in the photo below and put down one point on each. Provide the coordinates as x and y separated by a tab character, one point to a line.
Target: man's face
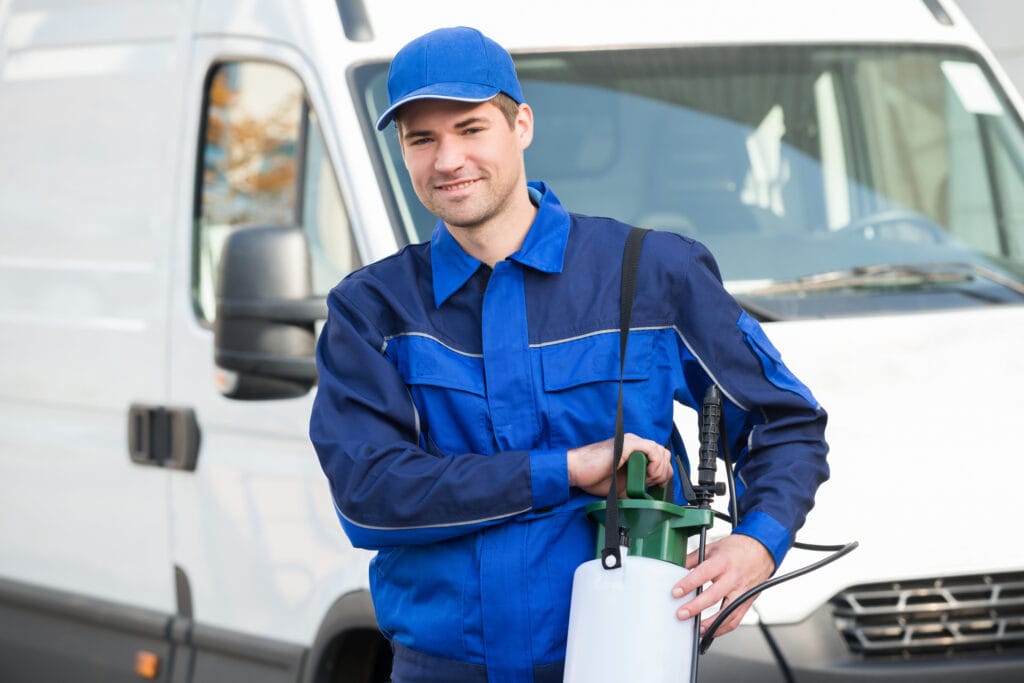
465	162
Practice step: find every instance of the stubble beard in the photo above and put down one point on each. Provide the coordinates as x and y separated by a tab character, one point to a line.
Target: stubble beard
474	211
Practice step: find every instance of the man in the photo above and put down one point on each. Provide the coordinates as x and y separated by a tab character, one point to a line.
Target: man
468	388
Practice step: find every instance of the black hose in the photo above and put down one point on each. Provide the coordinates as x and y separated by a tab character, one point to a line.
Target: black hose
729	477
837	551
816	547
709	635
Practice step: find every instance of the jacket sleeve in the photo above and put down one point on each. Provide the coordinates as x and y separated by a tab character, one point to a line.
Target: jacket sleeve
387	490
776	428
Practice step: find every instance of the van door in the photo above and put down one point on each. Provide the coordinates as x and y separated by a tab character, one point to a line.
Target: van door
85	206
253	527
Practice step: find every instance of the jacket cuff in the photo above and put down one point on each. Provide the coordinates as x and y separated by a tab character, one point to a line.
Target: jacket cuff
772	535
549	477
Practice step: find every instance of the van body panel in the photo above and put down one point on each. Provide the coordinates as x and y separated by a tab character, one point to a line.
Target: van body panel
84	279
79	516
726	21
917	403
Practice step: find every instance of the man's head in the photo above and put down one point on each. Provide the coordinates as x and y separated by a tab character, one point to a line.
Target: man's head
462	127
458	64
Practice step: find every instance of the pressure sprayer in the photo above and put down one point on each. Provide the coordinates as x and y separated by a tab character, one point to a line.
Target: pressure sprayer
629	609
622	619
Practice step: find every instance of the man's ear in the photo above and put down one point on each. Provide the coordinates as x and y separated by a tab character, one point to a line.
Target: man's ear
524	125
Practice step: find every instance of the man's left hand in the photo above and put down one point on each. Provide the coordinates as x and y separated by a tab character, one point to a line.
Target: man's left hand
733	565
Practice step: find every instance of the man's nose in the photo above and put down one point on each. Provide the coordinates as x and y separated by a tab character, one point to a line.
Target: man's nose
450	154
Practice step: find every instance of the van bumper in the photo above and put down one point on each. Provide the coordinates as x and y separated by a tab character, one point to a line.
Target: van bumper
814	652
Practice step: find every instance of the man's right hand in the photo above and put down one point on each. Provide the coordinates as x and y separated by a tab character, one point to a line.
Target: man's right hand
590	467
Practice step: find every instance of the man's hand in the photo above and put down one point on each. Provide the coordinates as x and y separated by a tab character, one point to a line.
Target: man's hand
733	565
590	467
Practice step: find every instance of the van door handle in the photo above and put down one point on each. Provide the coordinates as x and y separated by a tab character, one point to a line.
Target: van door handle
163	436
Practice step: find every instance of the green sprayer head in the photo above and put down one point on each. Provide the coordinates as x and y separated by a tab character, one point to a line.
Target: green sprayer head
657	528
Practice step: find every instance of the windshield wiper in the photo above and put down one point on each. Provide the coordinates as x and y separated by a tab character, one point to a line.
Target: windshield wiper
889	275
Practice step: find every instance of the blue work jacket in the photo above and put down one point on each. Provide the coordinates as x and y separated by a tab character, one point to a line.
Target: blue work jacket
450	392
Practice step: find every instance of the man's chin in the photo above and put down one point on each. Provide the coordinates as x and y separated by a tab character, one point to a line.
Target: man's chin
462	221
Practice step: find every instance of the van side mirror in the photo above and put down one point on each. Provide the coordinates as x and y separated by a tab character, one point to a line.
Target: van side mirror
265	335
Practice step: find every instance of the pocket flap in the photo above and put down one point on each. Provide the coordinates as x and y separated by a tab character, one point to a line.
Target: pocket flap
424	360
595	358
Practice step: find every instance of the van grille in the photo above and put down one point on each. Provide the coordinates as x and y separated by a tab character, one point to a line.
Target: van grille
949	616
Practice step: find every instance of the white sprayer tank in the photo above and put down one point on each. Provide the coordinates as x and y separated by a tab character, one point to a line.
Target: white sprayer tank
623	625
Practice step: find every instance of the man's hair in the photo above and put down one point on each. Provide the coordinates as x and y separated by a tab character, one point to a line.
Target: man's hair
505	104
508	107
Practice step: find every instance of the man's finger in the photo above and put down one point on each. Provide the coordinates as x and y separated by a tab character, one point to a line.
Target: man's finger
699	575
709	598
723	627
711	595
729	624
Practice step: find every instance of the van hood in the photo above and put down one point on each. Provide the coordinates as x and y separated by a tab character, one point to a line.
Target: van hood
926	464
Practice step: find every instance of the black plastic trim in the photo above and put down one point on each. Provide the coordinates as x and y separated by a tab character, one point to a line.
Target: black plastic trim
742	655
355	21
163	436
222	655
182	592
52	635
816	653
349	641
939	12
49	634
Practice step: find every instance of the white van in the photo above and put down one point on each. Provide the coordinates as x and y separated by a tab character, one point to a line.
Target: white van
856	167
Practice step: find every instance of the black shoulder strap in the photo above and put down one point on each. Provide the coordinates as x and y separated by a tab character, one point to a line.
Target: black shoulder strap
610	556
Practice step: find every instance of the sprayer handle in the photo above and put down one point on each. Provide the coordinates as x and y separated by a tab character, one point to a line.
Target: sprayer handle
636	480
710	421
636	475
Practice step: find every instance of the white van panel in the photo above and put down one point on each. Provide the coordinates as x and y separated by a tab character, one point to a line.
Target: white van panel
78	515
82	259
47	23
918	424
610	22
86	191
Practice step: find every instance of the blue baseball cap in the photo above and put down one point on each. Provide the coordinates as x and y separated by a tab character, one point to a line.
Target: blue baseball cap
457	63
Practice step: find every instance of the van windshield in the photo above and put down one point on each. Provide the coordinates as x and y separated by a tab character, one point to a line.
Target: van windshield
894	174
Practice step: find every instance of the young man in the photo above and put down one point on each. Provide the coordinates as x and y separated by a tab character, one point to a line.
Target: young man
468	388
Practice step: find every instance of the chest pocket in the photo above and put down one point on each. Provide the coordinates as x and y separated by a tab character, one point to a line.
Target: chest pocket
447	388
581	383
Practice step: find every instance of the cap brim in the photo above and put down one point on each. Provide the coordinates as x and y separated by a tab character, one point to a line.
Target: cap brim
457	92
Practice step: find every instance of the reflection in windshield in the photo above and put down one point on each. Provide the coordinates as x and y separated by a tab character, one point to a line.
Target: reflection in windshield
786	161
887	275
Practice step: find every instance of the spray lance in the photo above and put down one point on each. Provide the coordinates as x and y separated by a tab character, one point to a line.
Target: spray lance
707	488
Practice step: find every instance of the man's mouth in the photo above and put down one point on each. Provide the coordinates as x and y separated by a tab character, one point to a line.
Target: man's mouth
455	187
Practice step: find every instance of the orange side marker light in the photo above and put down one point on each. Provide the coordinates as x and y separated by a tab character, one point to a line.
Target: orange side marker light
147	664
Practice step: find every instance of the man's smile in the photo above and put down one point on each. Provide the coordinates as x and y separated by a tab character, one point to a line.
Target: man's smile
456	186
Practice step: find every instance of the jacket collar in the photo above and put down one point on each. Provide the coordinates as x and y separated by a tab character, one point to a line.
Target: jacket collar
543	248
